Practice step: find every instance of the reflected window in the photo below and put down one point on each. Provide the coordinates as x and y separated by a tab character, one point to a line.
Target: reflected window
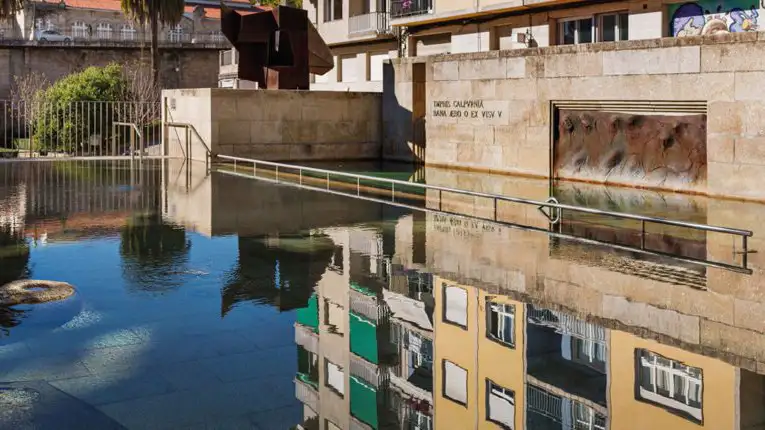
587	352
455	383
455	305
334	318
337	260
335	378
500	407
669	384
308	367
500	326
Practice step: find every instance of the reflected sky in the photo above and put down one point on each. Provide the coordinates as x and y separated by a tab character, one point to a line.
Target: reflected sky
226	302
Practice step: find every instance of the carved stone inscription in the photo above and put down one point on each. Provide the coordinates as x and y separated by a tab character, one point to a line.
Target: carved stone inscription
470	111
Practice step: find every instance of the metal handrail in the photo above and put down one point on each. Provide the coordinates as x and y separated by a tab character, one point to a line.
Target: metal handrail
189	129
132	138
549	204
357	195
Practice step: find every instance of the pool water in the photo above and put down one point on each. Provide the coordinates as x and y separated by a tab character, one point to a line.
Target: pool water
217	301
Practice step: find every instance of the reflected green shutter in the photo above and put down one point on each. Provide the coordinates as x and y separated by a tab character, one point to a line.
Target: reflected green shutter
363	338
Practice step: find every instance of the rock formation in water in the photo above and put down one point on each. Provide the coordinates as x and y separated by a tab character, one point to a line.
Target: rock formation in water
33	291
662	151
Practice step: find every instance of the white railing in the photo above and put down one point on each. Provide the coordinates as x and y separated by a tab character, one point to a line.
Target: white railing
306	338
365	370
566	324
364	305
374	22
306	394
79	129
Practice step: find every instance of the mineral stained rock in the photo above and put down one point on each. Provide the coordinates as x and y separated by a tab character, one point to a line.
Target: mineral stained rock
657	151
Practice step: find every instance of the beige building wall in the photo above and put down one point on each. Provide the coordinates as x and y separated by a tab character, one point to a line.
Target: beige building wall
720	390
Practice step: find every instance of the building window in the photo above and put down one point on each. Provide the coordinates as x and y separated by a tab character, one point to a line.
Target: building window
104	31
333	10
613	27
501	323
455	383
455	305
334	317
576	31
79	30
127	32
335	378
43	24
217	37
500	405
669	384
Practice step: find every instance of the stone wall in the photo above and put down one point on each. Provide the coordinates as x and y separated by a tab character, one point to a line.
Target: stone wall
492	110
703	309
279	125
181	68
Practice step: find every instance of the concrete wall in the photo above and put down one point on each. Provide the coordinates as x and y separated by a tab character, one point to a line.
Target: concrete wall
181	68
509	130
278	125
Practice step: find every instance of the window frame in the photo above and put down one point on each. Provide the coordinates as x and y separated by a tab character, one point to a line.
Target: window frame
128	29
330	13
639	355
444	361
576	19
79	30
617	27
104	31
489	384
326	377
444	286
489	334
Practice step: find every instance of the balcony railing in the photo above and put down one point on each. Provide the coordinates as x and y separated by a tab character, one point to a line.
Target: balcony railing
405	8
306	394
369	23
306	338
112	37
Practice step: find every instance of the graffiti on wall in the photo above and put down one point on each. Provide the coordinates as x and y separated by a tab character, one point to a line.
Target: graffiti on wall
713	16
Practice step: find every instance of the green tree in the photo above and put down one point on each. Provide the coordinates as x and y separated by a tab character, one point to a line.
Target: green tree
64	120
156	12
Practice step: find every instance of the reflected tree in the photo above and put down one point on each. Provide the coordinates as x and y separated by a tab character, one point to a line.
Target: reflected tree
280	272
14	265
153	253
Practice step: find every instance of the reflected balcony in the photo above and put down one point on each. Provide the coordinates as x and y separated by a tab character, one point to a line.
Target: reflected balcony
306	393
307	338
546	409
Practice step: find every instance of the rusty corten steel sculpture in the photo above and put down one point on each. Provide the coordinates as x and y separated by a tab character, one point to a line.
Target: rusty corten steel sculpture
277	48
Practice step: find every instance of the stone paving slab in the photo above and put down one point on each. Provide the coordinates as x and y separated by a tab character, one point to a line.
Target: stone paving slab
40	406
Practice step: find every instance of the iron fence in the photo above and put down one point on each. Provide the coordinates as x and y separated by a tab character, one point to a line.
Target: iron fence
124	36
79	129
405	8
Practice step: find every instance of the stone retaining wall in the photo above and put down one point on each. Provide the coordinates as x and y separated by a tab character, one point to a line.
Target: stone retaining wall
493	110
277	125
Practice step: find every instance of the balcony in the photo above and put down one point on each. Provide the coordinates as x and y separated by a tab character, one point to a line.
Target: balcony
229	63
369	23
306	338
407	8
306	394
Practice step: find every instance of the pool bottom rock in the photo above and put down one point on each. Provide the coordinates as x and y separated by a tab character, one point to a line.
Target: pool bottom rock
34	291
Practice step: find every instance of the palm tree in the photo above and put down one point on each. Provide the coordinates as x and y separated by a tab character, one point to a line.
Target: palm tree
9	8
165	12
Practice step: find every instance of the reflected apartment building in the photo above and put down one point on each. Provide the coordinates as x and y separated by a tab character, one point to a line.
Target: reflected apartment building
365	340
500	363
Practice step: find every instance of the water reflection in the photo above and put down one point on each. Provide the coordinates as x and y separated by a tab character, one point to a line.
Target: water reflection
153	253
273	306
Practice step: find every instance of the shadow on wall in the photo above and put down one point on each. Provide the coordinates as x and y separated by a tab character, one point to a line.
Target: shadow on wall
404	119
657	151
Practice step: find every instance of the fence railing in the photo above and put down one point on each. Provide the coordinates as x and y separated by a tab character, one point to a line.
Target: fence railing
374	22
79	129
400	193
404	8
111	36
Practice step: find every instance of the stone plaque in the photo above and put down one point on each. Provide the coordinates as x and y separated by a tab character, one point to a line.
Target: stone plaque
470	111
